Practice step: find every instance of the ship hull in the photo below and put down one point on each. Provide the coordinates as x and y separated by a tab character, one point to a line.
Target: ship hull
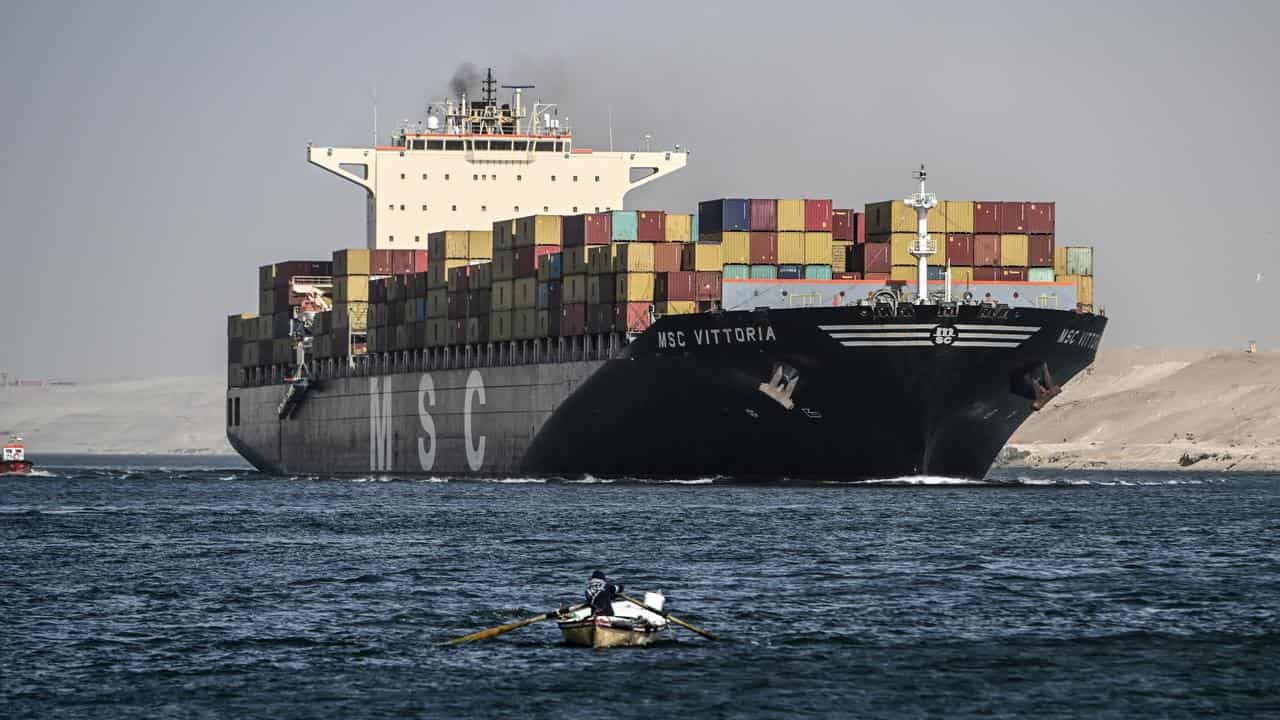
845	394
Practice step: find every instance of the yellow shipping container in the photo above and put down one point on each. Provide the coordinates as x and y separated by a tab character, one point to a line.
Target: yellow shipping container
600	289
449	244
500	325
502	296
961	275
817	248
351	261
840	255
538	230
679	227
525	293
479	244
735	247
903	272
790	247
894	216
958	216
504	232
633	257
573	260
1059	261
524	324
1013	251
573	289
1084	287
676	307
704	257
899	255
634	287
791	216
351	288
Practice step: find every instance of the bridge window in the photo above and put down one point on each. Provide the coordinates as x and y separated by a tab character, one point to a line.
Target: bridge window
475	177
522	145
597	178
480	144
417	145
559	147
453	145
575	178
435	144
499	144
544	146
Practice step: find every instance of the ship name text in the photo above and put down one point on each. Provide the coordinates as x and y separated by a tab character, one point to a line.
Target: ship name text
715	336
1080	338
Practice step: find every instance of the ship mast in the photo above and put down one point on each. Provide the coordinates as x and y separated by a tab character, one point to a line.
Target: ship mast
924	246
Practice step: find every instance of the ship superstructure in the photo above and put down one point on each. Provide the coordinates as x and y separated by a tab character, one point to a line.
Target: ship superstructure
472	162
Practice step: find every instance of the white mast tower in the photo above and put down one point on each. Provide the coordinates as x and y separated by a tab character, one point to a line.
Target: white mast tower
924	246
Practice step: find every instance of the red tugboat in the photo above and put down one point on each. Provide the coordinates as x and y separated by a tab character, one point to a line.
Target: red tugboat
14	461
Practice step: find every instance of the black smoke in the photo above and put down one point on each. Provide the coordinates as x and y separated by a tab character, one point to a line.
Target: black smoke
465	79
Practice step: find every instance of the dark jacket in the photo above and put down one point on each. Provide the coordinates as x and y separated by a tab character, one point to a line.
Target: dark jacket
600	595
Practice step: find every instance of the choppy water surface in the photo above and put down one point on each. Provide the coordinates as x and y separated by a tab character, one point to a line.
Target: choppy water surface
138	590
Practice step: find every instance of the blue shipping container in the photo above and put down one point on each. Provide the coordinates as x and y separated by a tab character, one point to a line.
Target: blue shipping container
790	272
420	310
725	215
937	272
764	272
625	225
553	262
817	272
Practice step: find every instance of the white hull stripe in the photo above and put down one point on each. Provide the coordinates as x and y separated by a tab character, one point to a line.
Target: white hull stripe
978	343
999	328
995	336
887	326
887	343
922	334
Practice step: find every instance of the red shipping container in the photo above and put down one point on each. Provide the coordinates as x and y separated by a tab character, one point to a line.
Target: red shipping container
986	217
986	250
573	319
846	276
380	262
960	249
525	260
859	227
1012	217
675	286
1039	218
764	248
589	229
402	261
708	285
651	226
419	261
632	316
872	258
458	278
882	277
1011	274
666	257
986	274
842	225
817	215
1040	251
764	215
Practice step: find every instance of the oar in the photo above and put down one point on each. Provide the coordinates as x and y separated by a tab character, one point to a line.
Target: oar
501	629
672	618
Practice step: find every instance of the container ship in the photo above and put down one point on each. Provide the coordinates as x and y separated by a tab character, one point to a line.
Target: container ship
507	317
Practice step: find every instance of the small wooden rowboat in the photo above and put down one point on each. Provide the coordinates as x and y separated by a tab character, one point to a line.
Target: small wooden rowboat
629	626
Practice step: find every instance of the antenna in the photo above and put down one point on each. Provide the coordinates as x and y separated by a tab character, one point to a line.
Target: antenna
924	246
490	97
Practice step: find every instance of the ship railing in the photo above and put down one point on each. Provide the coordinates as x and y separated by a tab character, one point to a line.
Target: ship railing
581	348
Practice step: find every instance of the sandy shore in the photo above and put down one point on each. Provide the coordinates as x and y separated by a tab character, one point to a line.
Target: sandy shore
1147	408
1136	408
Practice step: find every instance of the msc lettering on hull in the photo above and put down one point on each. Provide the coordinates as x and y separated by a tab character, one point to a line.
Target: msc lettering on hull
381	418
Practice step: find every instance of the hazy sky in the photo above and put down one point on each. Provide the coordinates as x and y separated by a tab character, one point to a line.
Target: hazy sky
154	153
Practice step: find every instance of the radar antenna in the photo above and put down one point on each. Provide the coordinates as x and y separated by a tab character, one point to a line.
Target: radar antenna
924	245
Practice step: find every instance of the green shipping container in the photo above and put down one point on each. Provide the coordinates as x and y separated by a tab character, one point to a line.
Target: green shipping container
1044	274
817	272
737	272
1080	261
625	225
764	272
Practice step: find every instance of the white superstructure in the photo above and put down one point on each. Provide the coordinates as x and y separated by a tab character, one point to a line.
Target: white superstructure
471	164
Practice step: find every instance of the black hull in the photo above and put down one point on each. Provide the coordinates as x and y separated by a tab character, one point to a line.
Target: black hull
887	407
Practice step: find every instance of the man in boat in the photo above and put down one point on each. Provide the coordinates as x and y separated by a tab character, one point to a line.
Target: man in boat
600	594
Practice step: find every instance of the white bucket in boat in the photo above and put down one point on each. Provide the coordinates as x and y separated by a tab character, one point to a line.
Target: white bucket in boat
654	600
